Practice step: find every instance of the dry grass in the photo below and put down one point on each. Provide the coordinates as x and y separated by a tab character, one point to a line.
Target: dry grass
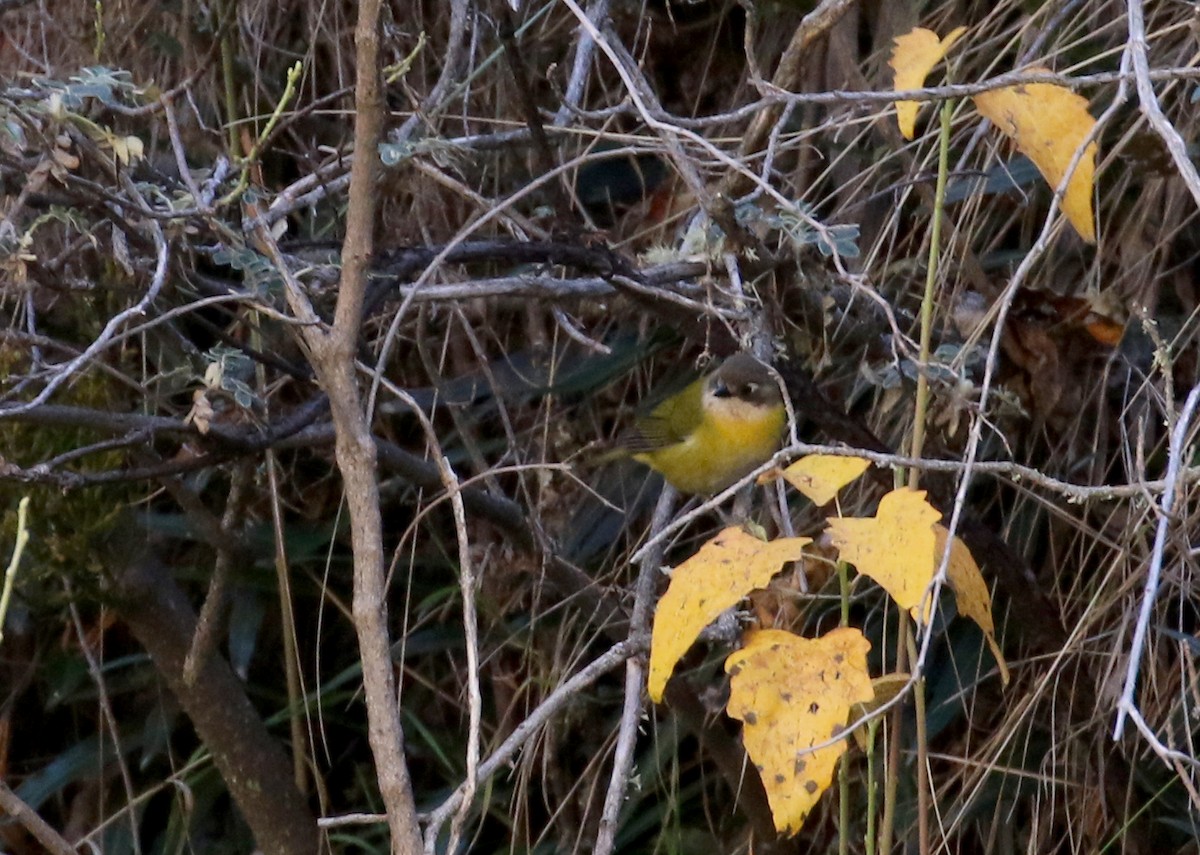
519	383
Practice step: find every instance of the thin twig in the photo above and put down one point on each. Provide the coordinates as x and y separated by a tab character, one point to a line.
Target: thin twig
468	583
581	65
1176	451
649	570
20	540
814	25
208	621
531	725
1004	304
102	341
450	62
104	702
1135	48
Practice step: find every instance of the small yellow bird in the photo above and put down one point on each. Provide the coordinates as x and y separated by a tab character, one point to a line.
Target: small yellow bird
720	427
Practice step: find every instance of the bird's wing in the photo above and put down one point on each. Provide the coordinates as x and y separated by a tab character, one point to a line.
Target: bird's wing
667	424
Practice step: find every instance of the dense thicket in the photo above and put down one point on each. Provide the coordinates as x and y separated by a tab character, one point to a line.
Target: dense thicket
563	224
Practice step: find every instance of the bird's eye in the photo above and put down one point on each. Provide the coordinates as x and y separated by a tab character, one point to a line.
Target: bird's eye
751	389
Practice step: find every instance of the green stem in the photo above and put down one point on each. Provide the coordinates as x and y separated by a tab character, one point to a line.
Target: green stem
891	773
225	26
843	806
843	570
935	245
872	786
289	92
922	749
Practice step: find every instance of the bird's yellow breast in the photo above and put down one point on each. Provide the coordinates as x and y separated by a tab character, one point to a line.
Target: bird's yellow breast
732	438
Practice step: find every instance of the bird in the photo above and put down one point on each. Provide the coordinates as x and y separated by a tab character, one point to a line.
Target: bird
706	437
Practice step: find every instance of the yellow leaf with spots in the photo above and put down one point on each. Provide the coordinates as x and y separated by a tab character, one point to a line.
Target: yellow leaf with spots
916	53
820	476
1049	123
726	569
970	591
795	693
895	547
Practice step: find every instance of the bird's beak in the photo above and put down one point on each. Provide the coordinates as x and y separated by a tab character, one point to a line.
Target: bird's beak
721	391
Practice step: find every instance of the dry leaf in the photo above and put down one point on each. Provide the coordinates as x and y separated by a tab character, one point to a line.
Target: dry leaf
883	690
1032	342
1049	123
970	591
895	547
820	476
725	570
793	693
128	150
1099	315
201	414
65	159
916	53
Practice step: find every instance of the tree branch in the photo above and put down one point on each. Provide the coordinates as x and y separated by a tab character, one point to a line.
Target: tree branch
248	757
333	359
29	819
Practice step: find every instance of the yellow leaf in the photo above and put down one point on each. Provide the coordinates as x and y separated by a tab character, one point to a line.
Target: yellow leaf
727	568
793	693
1049	123
916	53
895	547
883	690
970	591
820	476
